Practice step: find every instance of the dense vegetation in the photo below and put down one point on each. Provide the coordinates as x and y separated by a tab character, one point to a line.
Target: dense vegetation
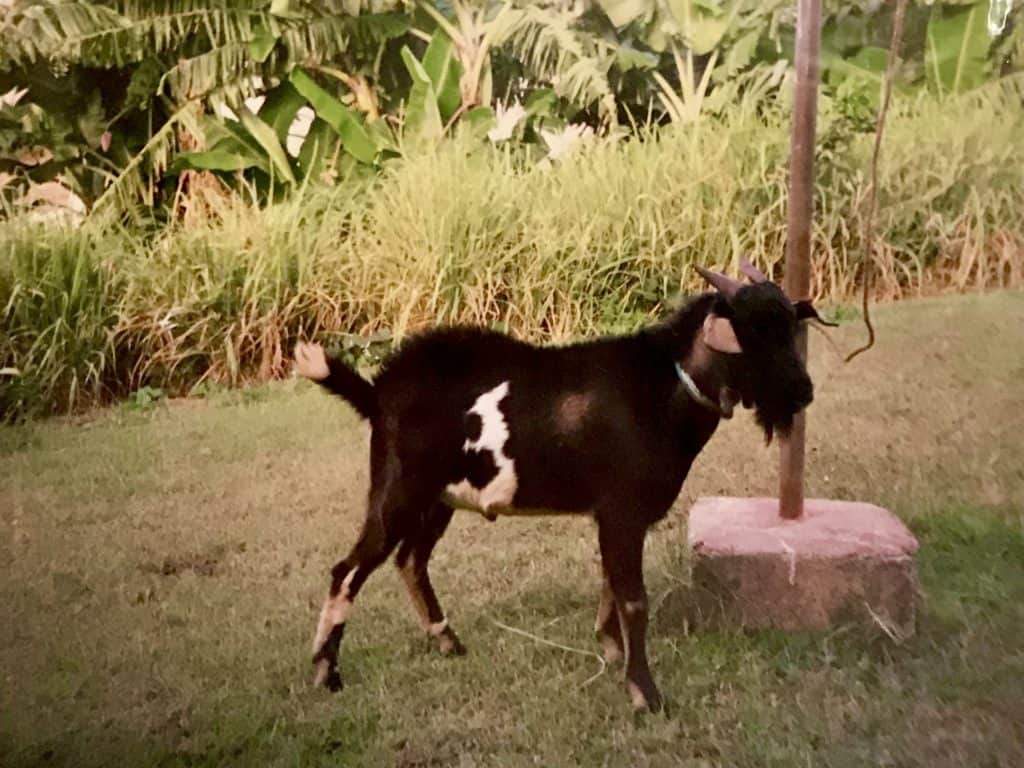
543	167
596	243
118	100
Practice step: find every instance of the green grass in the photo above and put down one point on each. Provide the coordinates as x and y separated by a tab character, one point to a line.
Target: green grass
476	234
164	563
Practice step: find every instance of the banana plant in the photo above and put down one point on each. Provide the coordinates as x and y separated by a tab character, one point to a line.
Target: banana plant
708	42
338	136
685	105
958	42
436	98
182	58
567	47
472	34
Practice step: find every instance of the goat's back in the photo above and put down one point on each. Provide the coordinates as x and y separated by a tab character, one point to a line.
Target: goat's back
571	419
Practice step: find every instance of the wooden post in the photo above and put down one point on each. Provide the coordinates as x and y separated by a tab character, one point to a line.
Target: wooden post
797	278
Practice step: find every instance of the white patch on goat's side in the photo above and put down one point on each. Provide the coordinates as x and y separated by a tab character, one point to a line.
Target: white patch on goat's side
334	612
311	362
494	433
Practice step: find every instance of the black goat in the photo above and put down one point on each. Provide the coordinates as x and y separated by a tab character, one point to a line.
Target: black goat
472	419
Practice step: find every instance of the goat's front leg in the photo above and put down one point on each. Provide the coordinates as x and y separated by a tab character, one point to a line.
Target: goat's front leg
622	549
411	560
609	633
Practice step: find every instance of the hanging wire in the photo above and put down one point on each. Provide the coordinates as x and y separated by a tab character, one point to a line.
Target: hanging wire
869	227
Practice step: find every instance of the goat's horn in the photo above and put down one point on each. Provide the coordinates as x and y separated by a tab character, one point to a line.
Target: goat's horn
725	285
752	272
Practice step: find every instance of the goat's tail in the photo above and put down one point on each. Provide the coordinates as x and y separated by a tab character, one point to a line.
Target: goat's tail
336	377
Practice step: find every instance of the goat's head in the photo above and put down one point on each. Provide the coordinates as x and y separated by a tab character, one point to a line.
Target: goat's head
755	326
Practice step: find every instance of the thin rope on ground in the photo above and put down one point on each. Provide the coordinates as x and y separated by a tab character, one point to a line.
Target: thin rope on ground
869	227
570	649
888	627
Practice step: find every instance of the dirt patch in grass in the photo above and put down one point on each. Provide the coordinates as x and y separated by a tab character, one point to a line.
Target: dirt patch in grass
206	563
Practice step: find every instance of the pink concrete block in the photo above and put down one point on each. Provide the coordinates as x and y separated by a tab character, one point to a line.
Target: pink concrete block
842	561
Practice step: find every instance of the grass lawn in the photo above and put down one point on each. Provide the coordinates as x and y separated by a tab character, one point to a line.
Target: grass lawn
163	570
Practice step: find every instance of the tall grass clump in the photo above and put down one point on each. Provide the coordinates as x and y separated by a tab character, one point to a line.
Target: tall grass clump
58	296
597	241
951	198
481	234
224	297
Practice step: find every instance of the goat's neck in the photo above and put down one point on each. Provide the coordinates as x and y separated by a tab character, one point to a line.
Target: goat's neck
707	370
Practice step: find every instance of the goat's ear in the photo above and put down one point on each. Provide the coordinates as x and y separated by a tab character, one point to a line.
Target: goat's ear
719	334
806	311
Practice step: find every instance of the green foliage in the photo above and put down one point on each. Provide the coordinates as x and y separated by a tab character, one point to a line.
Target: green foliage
58	311
442	66
144	398
958	45
422	113
161	62
265	136
373	71
257	141
471	233
355	139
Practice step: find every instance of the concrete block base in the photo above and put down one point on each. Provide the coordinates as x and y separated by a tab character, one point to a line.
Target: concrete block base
841	562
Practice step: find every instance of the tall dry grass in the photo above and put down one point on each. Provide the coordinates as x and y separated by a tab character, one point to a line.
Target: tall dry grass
477	234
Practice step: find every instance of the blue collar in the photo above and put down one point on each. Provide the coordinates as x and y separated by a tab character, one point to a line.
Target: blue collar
694	392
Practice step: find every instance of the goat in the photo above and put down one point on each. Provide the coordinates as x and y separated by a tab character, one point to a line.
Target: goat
466	418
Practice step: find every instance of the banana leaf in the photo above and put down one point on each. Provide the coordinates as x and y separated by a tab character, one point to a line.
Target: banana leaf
279	109
444	70
235	150
268	140
956	53
422	116
317	149
355	139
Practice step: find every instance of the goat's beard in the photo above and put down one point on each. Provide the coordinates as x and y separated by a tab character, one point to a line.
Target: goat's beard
777	389
772	419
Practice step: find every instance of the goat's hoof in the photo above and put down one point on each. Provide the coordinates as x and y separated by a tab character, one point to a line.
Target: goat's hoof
448	644
333	682
328	676
648	700
611	649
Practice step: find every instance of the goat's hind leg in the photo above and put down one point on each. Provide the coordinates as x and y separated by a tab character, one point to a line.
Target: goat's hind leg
412	560
330	627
